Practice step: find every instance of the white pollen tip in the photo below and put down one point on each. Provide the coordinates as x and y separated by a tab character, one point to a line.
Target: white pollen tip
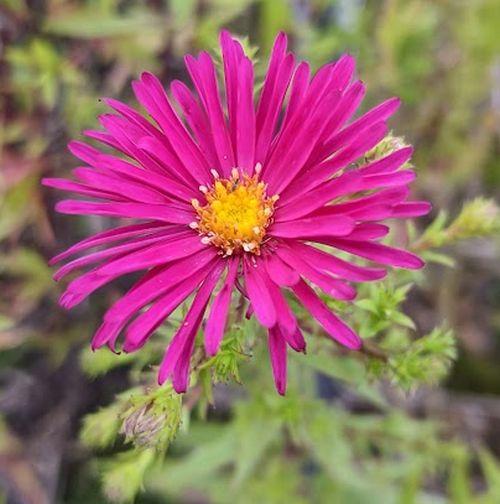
215	173
195	203
235	173
203	189
193	225
258	168
229	251
256	230
205	240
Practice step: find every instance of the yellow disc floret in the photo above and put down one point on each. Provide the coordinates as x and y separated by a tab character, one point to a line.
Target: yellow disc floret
236	214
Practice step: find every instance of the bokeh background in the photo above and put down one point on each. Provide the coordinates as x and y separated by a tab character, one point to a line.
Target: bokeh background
58	57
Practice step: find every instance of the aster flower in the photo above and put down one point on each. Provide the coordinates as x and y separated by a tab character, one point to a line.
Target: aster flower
233	195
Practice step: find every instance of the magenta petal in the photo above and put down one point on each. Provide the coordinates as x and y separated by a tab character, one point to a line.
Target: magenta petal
180	375
164	213
170	285
394	179
335	327
387	197
196	118
272	94
231	57
154	255
109	330
279	272
316	175
109	236
164	113
245	131
161	253
85	152
307	118
133	116
347	183
285	318
216	322
202	72
298	90
332	286
106	332
126	189
379	113
368	231
258	292
158	150
277	55
296	340
310	227
153	286
128	136
411	209
388	163
376	212
147	322
266	128
78	188
186	333
334	265
111	252
377	252
277	353
346	107
232	54
295	145
169	184
105	139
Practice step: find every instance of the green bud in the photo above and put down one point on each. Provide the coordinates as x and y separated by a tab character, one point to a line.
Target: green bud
479	217
142	425
152	419
385	147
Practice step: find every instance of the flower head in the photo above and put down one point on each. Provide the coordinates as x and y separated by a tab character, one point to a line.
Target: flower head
237	213
236	195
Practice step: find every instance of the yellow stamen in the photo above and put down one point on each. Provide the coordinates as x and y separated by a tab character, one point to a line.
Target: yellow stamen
237	213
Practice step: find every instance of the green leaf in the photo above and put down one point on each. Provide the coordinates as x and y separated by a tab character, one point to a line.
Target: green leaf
84	23
183	11
100	429
199	465
491	471
95	364
403	320
343	368
425	360
458	482
122	476
254	437
367	304
438	258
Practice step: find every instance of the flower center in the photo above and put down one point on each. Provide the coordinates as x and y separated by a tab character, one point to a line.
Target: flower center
237	213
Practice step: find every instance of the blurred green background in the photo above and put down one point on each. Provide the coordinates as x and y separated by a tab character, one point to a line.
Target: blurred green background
57	57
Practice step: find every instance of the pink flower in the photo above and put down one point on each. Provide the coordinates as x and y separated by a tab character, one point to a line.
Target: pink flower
237	196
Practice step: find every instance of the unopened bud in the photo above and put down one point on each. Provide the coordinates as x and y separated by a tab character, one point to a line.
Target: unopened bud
385	147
